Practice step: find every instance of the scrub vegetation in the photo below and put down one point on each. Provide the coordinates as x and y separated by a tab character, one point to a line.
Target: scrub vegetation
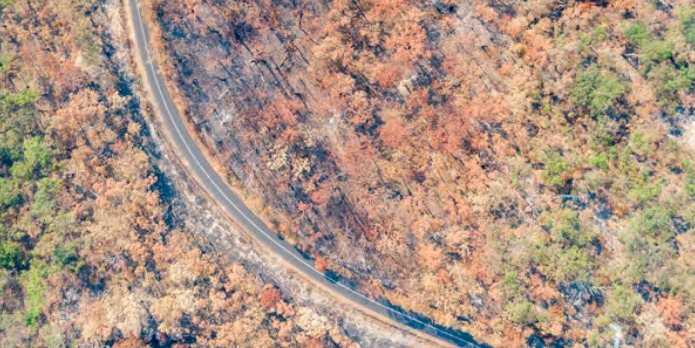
90	252
520	170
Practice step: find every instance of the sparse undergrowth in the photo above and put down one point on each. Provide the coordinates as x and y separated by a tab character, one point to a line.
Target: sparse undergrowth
90	254
516	170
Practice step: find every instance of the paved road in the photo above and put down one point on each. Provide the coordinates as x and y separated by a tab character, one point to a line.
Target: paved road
208	178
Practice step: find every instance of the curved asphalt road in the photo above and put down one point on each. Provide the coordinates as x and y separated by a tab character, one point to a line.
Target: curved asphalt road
208	178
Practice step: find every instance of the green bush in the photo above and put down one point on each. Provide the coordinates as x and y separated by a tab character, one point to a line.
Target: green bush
5	60
20	100
651	48
655	222
651	253
6	3
510	278
10	255
572	265
640	143
64	255
644	188
669	82
682	80
36	156
35	288
16	111
521	312
587	40
567	229
686	15
21	171
556	169
637	33
563	264
17	121
622	301
53	336
603	130
36	153
599	161
657	50
45	199
597	90
9	195
689	178
88	43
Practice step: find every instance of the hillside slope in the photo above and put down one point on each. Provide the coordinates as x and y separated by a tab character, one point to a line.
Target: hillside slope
516	170
97	246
